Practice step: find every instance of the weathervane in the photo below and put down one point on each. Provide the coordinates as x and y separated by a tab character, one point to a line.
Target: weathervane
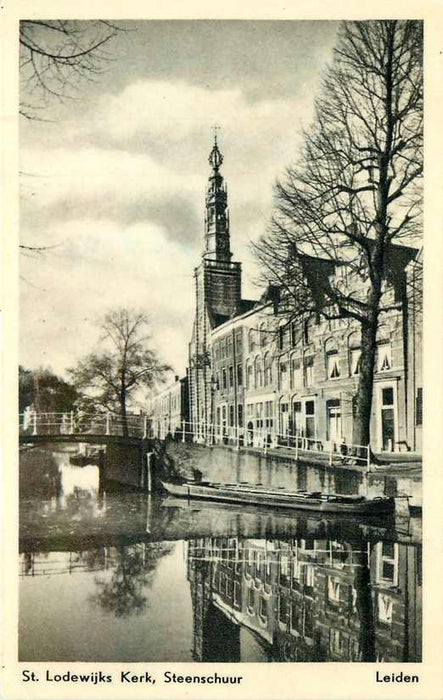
215	157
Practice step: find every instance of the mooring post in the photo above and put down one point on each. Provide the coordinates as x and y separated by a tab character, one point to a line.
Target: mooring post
148	484
101	470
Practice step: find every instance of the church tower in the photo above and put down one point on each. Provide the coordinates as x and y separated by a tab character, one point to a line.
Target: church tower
217	293
217	212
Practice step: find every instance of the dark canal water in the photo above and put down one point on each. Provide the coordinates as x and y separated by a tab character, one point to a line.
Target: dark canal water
112	576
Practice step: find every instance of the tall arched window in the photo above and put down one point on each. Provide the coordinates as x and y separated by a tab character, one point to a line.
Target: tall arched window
296	372
354	345
332	359
263	332
267	369
258	373
249	376
252	340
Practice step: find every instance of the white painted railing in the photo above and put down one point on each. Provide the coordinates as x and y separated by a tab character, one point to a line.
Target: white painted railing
265	439
77	423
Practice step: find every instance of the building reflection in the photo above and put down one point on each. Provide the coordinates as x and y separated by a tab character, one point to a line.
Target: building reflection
305	600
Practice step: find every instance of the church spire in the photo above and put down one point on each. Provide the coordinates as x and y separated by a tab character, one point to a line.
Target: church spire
217	214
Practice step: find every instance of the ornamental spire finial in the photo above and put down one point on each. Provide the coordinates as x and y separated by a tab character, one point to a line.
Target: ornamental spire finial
215	157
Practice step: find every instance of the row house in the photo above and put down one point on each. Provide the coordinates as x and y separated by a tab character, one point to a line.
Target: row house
168	409
275	380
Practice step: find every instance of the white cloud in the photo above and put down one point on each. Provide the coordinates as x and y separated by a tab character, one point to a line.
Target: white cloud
93	173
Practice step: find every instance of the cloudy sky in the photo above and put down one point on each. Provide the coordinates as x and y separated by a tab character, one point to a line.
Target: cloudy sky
115	181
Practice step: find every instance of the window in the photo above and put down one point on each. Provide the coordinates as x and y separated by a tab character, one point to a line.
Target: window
238	342
388	396
231	415
354	344
332	360
384	356
309	370
251	340
231	376
283	610
240	416
309	571
333	590
229	346
385	608
268	369
419	407
250	600
258	373
237	594
284	570
263	335
249	374
295	334
239	374
224	378
284	383
297	378
263	608
310	419
387	564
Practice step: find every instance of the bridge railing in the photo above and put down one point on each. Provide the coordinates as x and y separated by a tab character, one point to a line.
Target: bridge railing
264	439
77	423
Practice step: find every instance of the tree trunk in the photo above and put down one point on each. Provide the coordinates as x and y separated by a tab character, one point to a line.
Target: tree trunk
363	408
362	584
123	412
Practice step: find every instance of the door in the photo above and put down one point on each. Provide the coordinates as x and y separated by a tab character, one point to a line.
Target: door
387	420
334	421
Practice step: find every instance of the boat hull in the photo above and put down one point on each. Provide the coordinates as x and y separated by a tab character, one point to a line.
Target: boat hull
322	504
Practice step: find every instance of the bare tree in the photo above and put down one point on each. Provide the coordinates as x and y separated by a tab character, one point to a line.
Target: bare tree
127	362
354	195
56	55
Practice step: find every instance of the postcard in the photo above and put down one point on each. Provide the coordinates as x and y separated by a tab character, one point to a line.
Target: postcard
221	339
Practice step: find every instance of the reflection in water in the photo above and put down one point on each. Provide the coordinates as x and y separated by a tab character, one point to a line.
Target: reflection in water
304	600
126	577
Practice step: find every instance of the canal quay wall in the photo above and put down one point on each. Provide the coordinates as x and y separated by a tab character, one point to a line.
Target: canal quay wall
275	469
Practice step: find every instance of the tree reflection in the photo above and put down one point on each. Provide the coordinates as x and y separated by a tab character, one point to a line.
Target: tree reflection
39	474
133	568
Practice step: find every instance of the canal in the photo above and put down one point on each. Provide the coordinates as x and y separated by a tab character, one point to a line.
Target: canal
113	575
